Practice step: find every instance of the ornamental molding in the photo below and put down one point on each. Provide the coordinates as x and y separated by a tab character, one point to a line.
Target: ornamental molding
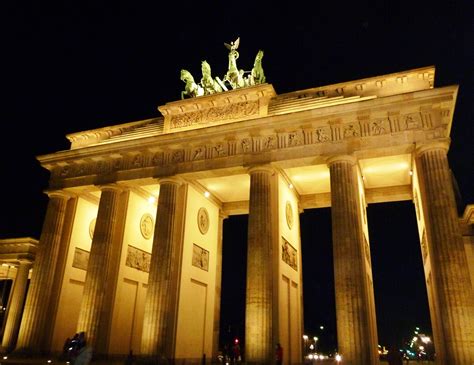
426	125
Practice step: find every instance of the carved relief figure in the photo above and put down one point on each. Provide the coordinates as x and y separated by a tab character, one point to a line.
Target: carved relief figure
350	131
220	151
177	156
269	142
377	127
294	139
411	122
198	153
321	135
245	145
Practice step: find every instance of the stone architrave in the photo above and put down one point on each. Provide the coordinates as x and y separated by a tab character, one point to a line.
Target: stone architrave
453	291
259	314
15	306
33	324
160	316
102	270
354	315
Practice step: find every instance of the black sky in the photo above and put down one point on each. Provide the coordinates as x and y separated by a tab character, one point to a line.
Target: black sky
69	66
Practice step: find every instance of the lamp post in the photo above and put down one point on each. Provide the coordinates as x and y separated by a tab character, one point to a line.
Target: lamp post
305	350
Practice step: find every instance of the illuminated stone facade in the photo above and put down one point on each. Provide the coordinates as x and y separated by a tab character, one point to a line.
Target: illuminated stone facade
132	238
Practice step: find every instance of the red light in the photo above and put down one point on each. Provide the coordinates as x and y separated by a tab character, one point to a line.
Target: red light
236	340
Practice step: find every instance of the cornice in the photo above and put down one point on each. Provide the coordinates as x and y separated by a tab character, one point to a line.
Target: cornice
400	120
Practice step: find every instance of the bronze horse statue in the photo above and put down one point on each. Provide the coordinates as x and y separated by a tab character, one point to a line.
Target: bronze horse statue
191	89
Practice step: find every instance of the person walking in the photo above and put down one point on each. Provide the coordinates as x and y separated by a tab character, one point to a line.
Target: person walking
279	354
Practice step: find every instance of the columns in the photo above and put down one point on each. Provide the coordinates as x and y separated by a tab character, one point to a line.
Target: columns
159	322
15	306
217	300
259	318
453	291
354	314
34	318
96	306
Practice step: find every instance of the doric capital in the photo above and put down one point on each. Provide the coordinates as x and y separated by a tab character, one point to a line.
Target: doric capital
261	168
112	187
171	180
341	158
60	194
442	144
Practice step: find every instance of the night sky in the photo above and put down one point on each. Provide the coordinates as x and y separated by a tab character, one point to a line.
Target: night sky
69	66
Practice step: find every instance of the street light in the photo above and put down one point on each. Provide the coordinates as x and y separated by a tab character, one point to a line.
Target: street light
315	339
305	338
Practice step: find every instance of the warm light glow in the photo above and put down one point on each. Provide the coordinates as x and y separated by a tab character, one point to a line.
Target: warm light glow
311	347
49	361
305	337
411	173
310	356
425	339
207	194
5	357
315	339
338	358
321	327
290	186
151	200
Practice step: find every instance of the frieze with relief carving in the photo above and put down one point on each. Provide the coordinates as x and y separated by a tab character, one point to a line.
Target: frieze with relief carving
234	111
138	259
331	132
289	255
81	259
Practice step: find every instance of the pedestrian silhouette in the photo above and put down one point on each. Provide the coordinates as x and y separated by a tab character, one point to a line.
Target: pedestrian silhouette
279	354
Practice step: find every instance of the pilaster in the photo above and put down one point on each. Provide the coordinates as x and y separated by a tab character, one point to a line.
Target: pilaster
453	297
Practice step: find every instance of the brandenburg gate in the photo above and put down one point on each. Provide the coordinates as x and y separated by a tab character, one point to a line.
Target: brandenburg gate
132	237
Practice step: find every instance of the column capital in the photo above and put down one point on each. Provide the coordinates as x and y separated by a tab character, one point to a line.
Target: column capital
171	180
62	194
112	187
341	158
261	168
222	214
442	144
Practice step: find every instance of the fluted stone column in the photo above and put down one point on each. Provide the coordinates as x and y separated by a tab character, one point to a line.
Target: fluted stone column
101	278
160	317
32	326
355	337
259	315
15	306
454	298
217	300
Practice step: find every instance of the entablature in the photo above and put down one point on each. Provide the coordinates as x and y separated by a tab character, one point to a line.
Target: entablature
377	126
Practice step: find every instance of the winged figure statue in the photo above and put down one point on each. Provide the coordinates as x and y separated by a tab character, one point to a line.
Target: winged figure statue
233	45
